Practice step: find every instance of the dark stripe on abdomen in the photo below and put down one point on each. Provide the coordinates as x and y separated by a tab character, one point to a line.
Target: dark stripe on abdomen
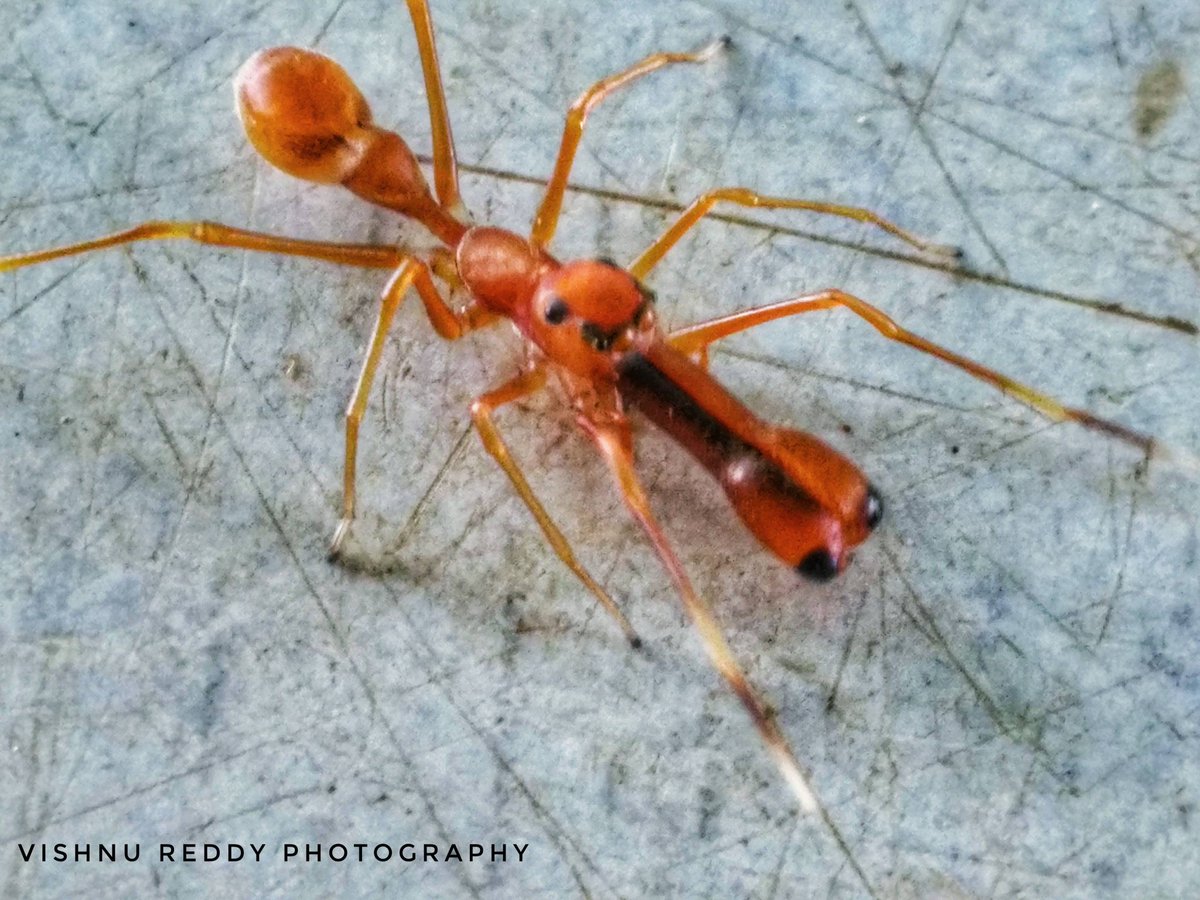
645	387
672	408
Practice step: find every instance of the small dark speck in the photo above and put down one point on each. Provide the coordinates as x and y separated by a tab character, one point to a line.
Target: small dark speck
896	69
20	393
1182	324
954	449
847	429
1106	873
708	804
332	789
1160	662
382	798
164	352
1157	97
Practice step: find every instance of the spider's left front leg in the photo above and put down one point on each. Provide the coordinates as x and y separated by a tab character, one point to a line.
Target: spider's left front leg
615	442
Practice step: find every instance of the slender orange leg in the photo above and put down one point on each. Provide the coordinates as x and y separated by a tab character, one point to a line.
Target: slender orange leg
446	322
481	414
616	445
703	205
546	220
367	256
445	164
697	338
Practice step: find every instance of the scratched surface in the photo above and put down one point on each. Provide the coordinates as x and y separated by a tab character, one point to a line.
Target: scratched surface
999	699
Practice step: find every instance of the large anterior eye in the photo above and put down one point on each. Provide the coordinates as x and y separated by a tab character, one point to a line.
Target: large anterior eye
640	313
818	565
557	311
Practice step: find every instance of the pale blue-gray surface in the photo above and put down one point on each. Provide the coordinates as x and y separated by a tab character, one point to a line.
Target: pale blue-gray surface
999	698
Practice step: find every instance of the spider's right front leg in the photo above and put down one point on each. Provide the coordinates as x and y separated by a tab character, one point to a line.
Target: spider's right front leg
482	409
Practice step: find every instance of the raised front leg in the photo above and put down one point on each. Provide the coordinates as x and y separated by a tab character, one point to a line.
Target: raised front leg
546	220
616	446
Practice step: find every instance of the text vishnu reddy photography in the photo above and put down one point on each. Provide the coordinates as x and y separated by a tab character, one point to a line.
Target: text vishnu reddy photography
357	851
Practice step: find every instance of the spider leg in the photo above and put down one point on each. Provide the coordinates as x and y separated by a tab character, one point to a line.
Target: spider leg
367	256
616	446
697	338
481	414
448	323
445	164
546	220
704	204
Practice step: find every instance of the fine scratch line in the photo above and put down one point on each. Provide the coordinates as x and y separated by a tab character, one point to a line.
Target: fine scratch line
1095	304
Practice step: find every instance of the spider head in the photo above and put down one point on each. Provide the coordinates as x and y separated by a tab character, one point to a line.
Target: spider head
587	313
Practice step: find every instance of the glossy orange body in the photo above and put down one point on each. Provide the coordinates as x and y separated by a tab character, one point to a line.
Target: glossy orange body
304	115
589	324
804	501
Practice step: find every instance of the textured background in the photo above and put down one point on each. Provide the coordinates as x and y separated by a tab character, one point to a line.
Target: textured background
998	699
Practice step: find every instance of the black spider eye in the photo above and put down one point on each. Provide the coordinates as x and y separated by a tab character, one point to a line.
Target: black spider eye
557	311
873	507
818	565
648	295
